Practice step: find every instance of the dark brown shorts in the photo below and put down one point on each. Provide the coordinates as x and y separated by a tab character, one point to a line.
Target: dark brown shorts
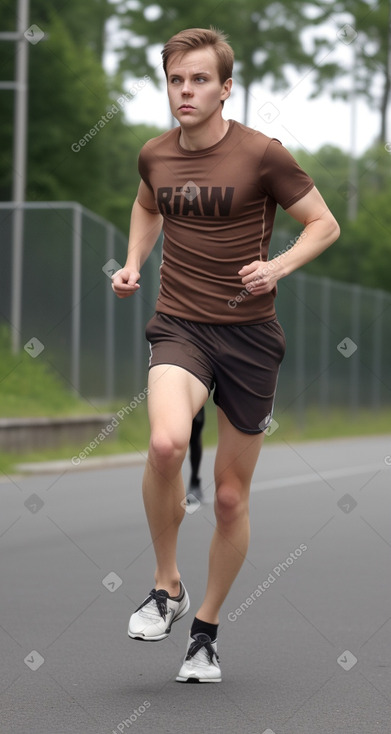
240	361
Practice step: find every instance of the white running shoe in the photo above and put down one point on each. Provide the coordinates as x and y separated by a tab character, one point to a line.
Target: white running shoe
201	663
153	619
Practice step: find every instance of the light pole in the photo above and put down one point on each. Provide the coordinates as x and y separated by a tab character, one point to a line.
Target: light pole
20	85
19	182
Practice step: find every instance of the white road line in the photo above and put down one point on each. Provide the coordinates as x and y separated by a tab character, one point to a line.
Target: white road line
348	471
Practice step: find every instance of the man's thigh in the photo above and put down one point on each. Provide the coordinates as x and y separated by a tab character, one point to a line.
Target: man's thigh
175	397
237	454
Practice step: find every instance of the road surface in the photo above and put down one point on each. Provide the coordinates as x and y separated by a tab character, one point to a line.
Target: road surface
304	638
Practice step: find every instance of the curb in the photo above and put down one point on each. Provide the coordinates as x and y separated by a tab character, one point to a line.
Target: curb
64	466
49	431
111	461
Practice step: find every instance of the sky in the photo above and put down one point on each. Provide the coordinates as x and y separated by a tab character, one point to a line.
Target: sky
297	121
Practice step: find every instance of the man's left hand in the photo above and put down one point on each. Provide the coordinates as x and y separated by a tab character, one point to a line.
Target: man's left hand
259	277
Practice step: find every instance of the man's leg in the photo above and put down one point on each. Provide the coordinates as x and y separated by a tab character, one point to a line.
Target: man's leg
236	457
237	454
175	397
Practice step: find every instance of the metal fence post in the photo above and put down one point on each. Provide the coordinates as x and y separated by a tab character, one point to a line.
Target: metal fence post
17	277
377	349
19	165
76	297
137	340
324	387
300	348
109	351
355	359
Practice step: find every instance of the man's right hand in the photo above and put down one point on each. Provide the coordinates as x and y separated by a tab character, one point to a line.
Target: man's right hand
124	282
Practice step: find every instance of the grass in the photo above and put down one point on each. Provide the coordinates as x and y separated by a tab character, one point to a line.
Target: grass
29	388
334	423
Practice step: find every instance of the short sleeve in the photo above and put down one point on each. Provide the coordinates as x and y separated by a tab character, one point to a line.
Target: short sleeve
281	176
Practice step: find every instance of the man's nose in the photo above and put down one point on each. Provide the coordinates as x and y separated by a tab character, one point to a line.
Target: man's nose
187	88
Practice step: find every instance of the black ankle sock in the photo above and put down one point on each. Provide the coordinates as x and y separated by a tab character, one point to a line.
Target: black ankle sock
208	629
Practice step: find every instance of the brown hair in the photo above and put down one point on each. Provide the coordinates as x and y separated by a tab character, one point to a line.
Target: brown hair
193	38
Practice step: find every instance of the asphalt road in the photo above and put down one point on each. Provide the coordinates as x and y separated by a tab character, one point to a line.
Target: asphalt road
309	652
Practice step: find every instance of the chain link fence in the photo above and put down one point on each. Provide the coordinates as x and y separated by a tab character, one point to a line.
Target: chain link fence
338	345
338	335
94	340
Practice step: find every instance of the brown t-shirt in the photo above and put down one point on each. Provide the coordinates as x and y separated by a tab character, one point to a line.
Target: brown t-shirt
218	206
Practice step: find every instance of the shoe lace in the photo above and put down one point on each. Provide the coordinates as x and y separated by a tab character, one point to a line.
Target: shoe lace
160	598
202	641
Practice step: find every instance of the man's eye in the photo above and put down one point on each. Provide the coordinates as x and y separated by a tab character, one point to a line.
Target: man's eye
200	79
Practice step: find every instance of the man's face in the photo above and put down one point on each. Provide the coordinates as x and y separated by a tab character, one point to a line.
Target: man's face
194	87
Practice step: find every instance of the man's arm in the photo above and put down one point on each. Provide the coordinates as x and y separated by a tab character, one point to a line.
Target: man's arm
320	231
145	227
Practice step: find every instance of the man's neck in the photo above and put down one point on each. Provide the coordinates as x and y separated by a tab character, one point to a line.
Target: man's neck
200	138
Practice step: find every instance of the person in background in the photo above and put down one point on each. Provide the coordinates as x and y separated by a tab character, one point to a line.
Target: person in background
195	447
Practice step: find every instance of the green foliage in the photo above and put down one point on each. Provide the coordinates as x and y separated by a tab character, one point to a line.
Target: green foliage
85	20
69	94
120	171
362	253
368	239
65	102
74	95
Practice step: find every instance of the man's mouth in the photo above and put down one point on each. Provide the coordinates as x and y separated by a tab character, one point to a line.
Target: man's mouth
186	107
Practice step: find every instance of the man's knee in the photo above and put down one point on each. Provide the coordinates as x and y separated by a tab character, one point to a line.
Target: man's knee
166	448
231	501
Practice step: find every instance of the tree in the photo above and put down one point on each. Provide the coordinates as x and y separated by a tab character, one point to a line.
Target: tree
266	37
365	26
70	94
85	21
362	253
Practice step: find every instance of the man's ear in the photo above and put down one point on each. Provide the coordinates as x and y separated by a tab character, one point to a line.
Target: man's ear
226	91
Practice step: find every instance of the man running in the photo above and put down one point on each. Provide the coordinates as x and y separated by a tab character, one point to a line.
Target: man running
214	185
